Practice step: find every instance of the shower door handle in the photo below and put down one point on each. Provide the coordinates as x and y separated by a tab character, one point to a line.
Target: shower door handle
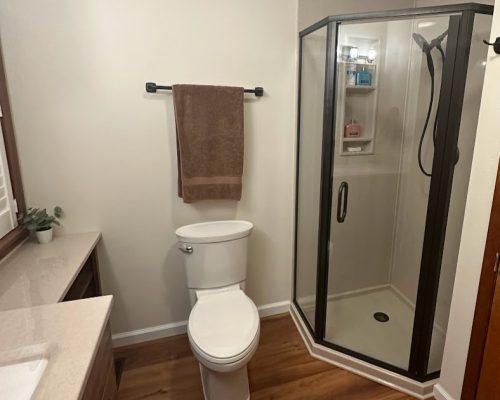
342	202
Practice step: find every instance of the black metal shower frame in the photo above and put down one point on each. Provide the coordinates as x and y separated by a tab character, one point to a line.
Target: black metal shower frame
450	110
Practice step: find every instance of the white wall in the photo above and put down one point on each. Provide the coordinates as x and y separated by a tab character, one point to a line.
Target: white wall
476	219
92	141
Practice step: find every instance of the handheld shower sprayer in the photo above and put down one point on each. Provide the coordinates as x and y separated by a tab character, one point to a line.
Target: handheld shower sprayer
426	48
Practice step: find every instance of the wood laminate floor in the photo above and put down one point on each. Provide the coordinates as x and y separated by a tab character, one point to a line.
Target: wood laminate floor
281	369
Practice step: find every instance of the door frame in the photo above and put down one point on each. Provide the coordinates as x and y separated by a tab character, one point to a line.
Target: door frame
484	302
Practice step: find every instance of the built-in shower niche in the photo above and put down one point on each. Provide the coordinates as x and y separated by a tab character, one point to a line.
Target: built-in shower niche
358	60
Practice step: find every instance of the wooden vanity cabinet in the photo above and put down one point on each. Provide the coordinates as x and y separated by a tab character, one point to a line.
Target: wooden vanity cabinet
101	384
87	283
102	381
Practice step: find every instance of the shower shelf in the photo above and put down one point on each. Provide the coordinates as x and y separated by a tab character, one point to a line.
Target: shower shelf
358	102
358	153
357	139
360	88
363	64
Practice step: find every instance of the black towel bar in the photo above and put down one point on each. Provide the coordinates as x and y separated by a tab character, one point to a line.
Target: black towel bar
152	87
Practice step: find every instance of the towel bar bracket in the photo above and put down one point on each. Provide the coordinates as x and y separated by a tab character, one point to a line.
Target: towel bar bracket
152	87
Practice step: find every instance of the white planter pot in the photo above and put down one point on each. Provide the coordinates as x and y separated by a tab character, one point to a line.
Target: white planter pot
44	236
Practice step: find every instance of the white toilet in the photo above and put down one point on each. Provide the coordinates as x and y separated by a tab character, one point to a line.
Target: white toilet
224	324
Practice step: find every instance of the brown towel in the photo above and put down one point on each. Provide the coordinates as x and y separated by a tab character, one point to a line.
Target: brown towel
209	124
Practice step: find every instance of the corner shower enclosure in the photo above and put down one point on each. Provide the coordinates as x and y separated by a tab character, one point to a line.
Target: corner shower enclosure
388	108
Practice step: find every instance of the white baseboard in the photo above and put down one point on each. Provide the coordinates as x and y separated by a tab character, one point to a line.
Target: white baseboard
441	394
178	328
280	307
150	333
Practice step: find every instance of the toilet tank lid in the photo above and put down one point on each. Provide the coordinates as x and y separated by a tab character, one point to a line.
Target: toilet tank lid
216	231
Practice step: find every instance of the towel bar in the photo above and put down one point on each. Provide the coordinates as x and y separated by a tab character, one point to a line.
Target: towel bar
152	87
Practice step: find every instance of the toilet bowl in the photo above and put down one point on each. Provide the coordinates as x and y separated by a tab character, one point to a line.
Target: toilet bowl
223	331
224	325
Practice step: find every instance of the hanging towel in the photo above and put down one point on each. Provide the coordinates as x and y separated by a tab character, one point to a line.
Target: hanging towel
209	125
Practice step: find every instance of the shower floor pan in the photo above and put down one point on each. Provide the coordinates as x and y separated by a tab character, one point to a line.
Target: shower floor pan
350	323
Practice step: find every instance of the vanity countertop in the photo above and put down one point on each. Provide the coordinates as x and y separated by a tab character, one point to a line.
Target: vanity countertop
36	274
67	334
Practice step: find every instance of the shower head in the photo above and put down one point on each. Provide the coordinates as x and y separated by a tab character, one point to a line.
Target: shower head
425	45
421	42
426	48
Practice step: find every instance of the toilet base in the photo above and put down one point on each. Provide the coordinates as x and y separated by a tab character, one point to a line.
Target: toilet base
225	385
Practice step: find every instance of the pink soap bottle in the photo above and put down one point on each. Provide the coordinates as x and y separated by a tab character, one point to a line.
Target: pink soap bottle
352	130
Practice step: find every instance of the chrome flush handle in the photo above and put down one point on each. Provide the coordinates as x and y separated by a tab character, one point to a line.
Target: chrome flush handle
186	249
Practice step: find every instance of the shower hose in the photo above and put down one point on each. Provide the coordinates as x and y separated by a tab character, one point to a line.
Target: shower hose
430	66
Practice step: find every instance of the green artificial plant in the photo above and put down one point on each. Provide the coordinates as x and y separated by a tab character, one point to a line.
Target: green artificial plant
36	219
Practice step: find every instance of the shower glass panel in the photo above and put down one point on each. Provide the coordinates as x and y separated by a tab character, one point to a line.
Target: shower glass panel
310	142
466	139
380	194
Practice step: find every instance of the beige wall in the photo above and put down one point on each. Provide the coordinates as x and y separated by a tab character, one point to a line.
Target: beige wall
92	141
477	213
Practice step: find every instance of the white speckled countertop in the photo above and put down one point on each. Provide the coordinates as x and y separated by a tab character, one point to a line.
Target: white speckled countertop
36	274
34	278
70	332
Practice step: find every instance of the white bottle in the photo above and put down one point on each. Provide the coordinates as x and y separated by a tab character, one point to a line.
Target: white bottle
351	74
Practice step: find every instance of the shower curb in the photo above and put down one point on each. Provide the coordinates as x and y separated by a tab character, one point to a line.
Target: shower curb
420	390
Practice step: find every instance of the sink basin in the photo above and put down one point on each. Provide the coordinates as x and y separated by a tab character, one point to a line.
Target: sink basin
21	371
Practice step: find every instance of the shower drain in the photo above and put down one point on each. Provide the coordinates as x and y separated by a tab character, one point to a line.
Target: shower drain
381	317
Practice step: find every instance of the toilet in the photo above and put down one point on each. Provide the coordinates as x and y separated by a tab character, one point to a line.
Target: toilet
224	325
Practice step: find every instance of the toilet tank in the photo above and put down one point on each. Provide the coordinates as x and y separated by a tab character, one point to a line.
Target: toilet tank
215	253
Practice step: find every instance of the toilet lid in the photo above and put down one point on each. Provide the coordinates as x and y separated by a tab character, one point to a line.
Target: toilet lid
224	324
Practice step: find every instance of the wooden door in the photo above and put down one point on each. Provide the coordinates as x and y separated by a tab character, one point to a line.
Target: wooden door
489	378
482	374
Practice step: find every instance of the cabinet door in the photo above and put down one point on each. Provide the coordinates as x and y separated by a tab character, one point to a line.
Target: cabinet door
110	388
99	384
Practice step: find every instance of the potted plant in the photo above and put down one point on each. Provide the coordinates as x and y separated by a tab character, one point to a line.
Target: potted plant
39	221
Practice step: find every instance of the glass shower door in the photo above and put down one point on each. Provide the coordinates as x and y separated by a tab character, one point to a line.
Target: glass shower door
310	144
381	183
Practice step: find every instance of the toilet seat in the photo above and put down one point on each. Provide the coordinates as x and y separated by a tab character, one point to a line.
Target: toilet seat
224	327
